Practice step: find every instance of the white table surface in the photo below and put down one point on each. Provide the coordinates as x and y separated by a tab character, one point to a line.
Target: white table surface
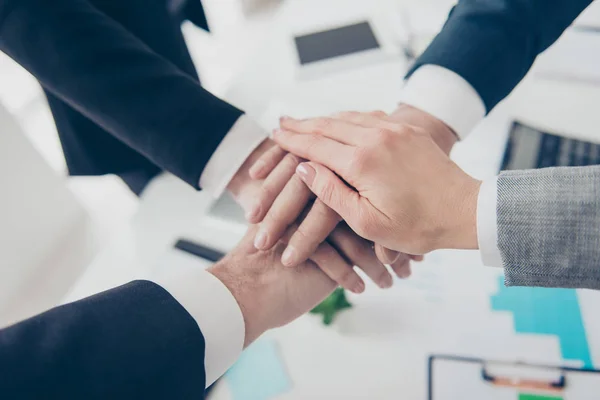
371	350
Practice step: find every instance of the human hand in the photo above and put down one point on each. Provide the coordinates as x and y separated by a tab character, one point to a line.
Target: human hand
404	114
314	222
268	294
321	220
405	193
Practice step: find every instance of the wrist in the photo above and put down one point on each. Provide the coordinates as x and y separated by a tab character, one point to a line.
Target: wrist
242	187
460	228
247	293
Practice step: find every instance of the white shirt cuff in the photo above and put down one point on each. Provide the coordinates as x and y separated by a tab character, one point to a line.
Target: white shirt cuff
216	312
445	95
487	223
241	140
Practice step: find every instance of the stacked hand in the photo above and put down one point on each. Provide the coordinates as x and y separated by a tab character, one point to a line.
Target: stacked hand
317	231
362	149
391	182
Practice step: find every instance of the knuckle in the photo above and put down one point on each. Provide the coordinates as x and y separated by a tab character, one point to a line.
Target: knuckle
359	160
346	277
324	213
325	191
405	131
312	145
384	136
276	218
349	115
301	235
266	194
292	159
322	125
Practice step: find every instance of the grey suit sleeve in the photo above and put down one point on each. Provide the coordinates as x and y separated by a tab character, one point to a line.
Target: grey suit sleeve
549	227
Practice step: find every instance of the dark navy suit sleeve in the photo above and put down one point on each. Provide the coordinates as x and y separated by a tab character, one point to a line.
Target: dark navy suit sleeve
493	43
103	71
132	342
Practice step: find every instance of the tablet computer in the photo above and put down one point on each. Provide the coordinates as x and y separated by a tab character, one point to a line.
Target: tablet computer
342	47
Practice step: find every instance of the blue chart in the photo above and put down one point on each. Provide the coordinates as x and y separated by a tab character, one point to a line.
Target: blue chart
259	374
547	312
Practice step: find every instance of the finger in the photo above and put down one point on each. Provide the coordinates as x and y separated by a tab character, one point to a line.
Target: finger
334	155
402	268
313	230
332	264
337	129
360	252
337	268
266	163
334	193
371	120
285	210
386	255
417	258
271	188
344	115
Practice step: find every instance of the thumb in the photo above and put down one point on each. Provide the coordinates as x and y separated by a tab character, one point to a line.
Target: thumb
331	190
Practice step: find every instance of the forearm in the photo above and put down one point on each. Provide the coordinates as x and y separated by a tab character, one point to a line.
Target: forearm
106	73
493	43
548	227
133	341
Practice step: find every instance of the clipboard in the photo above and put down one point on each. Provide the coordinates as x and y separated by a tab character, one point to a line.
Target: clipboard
462	378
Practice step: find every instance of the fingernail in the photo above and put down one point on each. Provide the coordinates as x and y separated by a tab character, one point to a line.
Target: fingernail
358	287
284	118
261	240
288	256
257	168
252	214
386	282
307	173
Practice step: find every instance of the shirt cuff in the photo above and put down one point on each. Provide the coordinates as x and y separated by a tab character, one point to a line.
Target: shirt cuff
487	223
445	95
241	140
216	312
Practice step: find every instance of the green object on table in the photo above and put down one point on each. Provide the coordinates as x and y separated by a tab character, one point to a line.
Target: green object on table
333	304
538	397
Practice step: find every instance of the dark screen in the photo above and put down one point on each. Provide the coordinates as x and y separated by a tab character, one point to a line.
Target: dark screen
335	42
529	148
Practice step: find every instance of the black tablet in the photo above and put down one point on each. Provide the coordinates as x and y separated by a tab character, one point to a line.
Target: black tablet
336	42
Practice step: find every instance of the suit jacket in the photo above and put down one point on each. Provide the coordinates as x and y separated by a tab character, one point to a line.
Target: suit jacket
493	43
120	83
549	227
549	219
132	342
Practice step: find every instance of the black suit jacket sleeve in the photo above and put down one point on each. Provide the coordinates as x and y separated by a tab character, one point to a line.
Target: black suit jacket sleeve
132	342
95	65
493	43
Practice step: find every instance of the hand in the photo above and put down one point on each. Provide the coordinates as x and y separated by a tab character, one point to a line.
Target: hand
441	134
269	295
405	192
296	201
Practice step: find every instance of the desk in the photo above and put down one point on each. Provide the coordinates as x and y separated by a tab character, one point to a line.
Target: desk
379	349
